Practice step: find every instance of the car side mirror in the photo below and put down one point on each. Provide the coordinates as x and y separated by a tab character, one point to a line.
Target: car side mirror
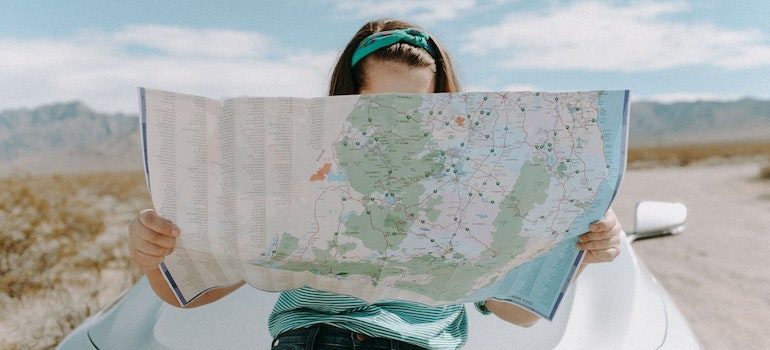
656	219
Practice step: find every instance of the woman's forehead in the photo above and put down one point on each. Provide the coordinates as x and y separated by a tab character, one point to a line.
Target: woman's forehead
381	76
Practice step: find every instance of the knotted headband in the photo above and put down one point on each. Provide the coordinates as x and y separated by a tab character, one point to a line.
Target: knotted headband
376	41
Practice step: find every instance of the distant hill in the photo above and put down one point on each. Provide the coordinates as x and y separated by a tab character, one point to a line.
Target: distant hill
657	124
69	137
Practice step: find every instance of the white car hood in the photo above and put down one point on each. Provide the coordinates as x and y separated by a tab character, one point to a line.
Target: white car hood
612	306
615	305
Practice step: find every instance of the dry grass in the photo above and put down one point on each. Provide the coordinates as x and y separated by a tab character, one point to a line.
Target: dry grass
63	253
686	154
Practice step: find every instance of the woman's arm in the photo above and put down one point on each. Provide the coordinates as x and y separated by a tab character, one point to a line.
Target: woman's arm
150	239
511	313
601	244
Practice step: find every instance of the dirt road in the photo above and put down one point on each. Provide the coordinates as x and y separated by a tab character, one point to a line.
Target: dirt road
718	270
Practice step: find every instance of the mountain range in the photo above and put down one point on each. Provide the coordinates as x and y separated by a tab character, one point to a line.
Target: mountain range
702	122
71	138
67	138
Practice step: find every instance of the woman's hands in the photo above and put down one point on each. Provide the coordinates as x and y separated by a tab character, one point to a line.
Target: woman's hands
150	239
602	242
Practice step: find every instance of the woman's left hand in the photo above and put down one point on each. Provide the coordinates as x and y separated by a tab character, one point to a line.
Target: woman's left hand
602	242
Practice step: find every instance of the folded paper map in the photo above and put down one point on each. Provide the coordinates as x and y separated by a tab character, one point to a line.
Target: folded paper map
433	198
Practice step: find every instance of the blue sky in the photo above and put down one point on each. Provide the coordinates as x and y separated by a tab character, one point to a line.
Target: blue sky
99	52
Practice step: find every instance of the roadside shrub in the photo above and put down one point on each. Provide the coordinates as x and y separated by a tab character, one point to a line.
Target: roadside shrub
63	252
764	173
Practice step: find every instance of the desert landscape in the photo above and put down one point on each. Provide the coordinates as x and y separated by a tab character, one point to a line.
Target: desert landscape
71	180
65	256
696	75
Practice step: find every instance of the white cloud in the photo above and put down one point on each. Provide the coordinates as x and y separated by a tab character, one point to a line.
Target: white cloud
195	42
599	36
421	11
103	69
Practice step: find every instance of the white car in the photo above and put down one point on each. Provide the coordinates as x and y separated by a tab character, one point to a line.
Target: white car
616	305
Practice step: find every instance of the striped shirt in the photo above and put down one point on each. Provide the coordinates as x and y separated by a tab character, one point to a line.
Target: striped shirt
443	327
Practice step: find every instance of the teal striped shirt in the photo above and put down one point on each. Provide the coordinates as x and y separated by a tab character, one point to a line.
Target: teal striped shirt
430	327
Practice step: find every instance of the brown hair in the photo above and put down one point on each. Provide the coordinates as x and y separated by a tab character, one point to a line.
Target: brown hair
347	80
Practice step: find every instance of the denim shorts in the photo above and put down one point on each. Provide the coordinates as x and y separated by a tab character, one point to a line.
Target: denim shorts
326	337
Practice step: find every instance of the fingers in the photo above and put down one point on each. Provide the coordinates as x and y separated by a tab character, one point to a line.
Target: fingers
599	256
151	220
612	242
152	249
598	235
602	242
603	229
155	238
607	222
151	238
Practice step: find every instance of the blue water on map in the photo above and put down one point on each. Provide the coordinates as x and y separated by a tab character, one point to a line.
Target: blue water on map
338	176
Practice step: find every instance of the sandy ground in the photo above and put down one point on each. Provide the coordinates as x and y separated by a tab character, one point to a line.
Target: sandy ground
718	270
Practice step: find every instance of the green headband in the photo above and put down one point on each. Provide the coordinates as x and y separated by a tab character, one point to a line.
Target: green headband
376	41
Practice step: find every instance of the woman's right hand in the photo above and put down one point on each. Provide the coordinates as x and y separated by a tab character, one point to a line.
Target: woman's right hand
150	239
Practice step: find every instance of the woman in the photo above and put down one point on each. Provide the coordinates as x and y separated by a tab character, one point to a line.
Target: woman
383	56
